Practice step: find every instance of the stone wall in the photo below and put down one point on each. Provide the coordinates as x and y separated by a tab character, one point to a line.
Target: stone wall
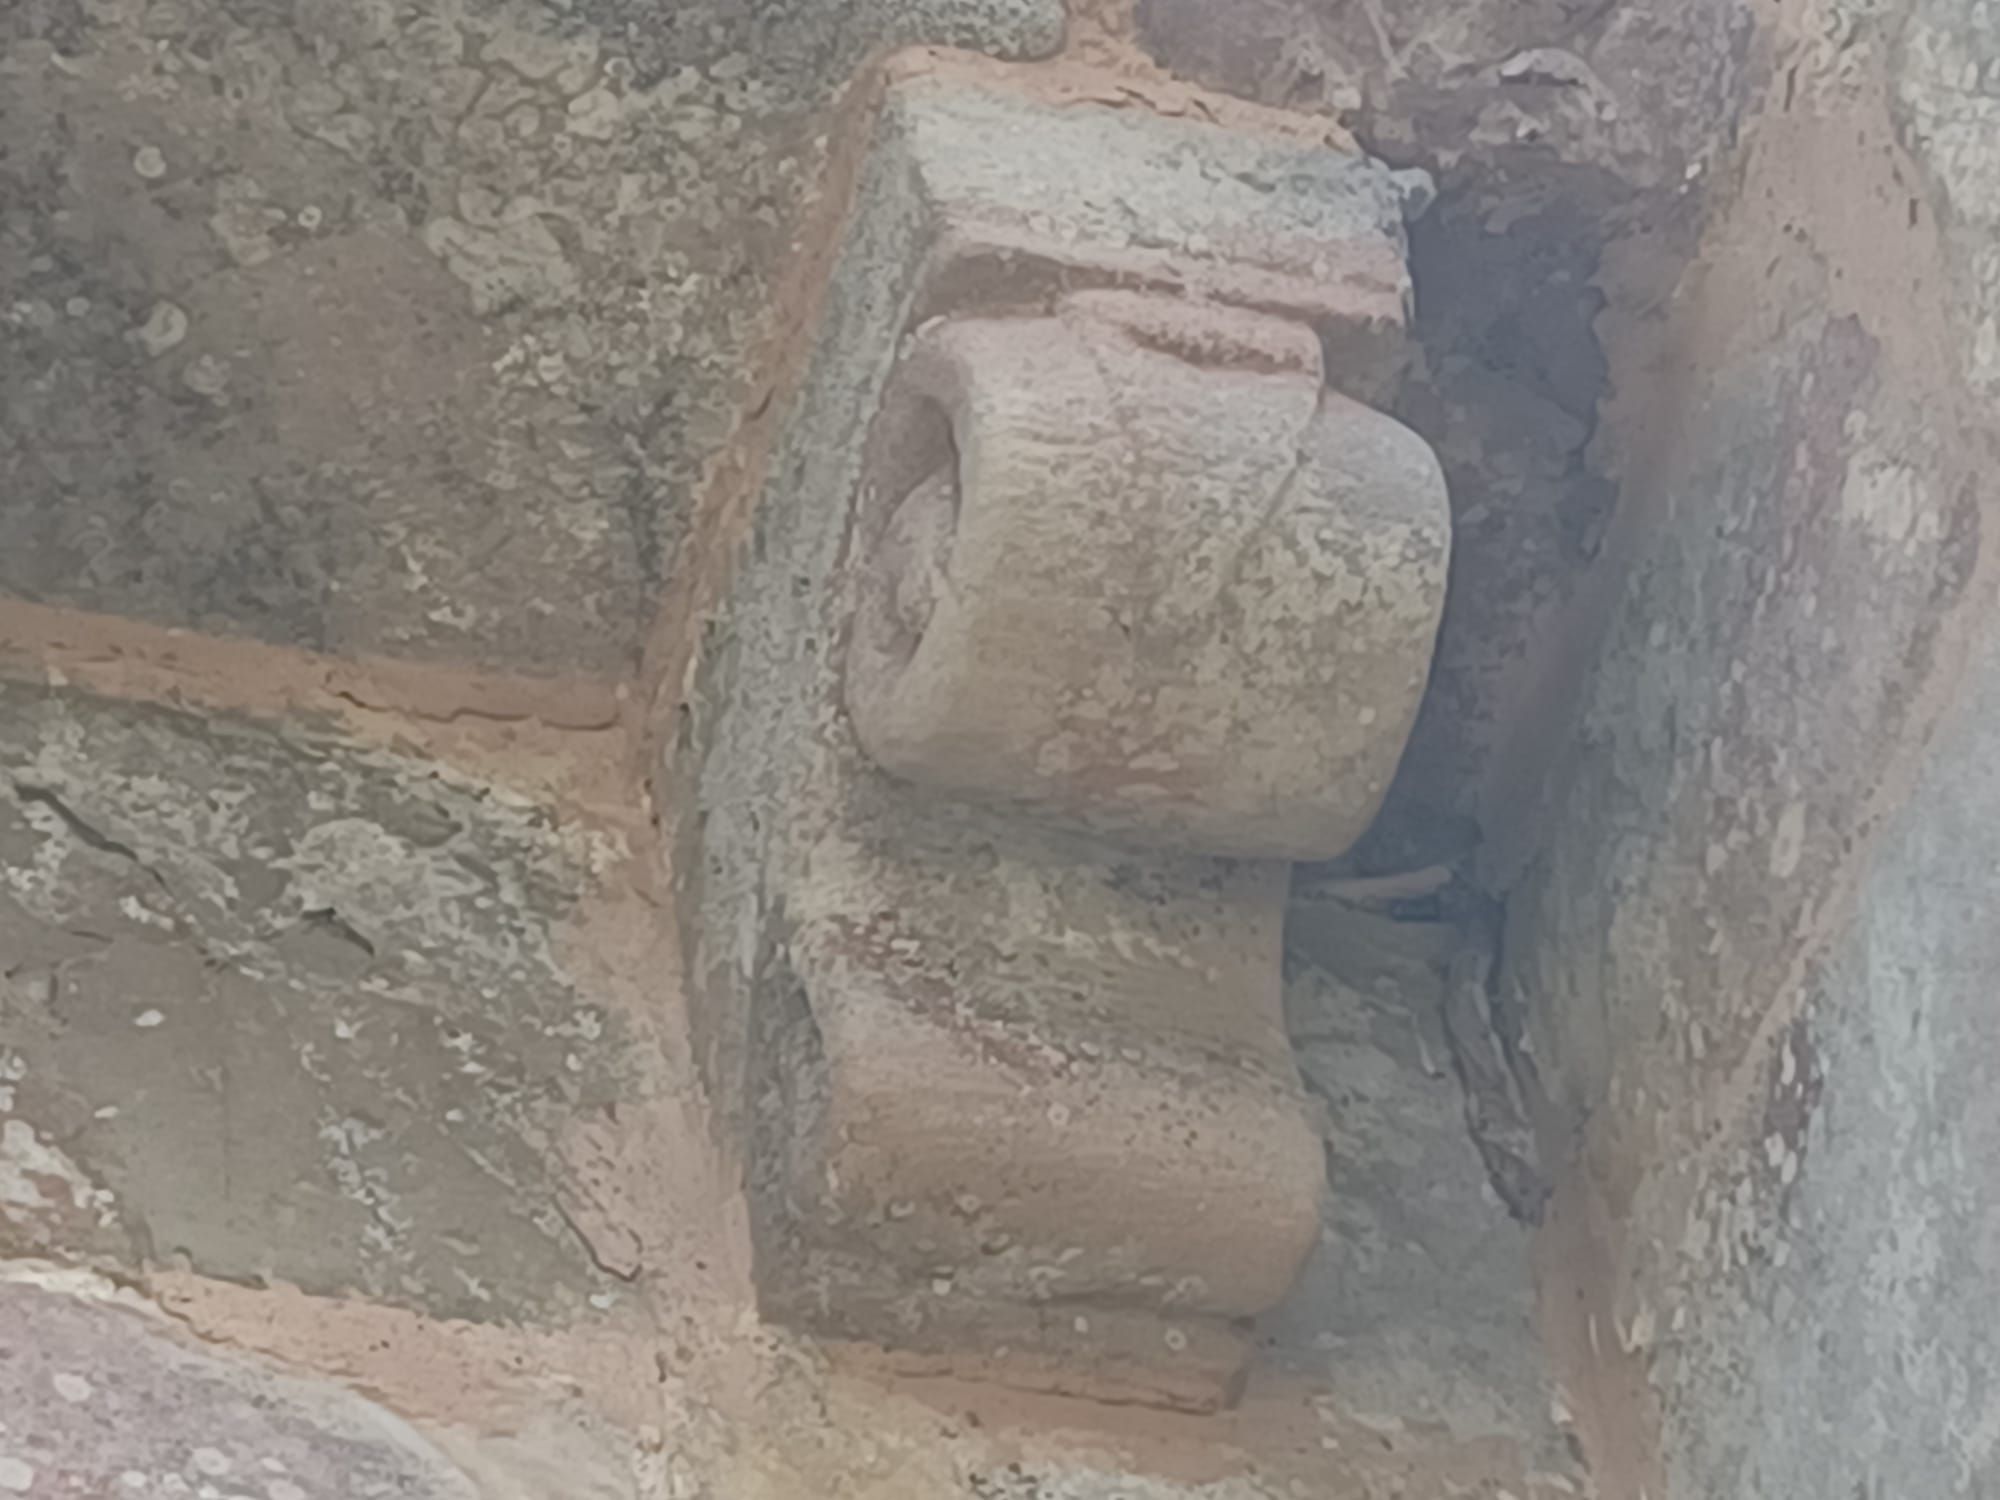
379	387
385	394
417	322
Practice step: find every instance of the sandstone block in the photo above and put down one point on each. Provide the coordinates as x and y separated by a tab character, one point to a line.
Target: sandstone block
1071	1093
980	976
1142	573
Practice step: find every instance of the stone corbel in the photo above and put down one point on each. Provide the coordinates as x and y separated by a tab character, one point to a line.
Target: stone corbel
1088	590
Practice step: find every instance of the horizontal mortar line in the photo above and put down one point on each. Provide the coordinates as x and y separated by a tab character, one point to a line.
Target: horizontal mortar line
458	715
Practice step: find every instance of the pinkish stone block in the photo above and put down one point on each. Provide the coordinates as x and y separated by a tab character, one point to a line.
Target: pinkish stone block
102	1398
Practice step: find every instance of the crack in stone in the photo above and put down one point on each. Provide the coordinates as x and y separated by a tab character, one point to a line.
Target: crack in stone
329	921
79	827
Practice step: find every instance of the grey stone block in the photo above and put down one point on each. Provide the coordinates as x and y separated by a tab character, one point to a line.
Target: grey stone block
288	1009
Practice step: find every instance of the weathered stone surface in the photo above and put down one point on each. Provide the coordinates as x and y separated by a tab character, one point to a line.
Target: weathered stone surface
895	1449
1008	1077
1025	200
1694	879
102	1396
286	1009
1574	146
1630	89
308	303
1830	1258
1859	1236
415	324
1138	573
994	1116
1418	1305
1945	103
1766	785
1751	944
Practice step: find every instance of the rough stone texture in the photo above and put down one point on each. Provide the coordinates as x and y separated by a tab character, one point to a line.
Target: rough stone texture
1944	100
1750	945
1246	218
324	325
1141	575
1418	1305
1862	1234
1630	89
1573	144
278	1008
951	129
415	322
1667	942
1824	550
407	325
968	1109
100	1396
1001	1114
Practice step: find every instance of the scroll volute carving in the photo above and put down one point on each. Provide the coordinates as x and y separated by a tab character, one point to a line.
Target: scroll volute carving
1132	567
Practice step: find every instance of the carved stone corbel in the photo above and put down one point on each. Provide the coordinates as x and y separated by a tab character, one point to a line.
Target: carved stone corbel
1087	591
1133	568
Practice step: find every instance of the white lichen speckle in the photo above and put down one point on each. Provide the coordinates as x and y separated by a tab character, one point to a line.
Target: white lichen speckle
16	1475
211	1461
146	1020
72	1388
1789	842
31	1169
207	376
165	326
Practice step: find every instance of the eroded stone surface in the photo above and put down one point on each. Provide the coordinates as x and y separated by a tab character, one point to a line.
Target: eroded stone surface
1137	572
937	156
1629	89
1856	1232
102	1397
1702	851
996	1116
415	323
289	1010
1574	146
1749	943
1419	1300
976	1034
